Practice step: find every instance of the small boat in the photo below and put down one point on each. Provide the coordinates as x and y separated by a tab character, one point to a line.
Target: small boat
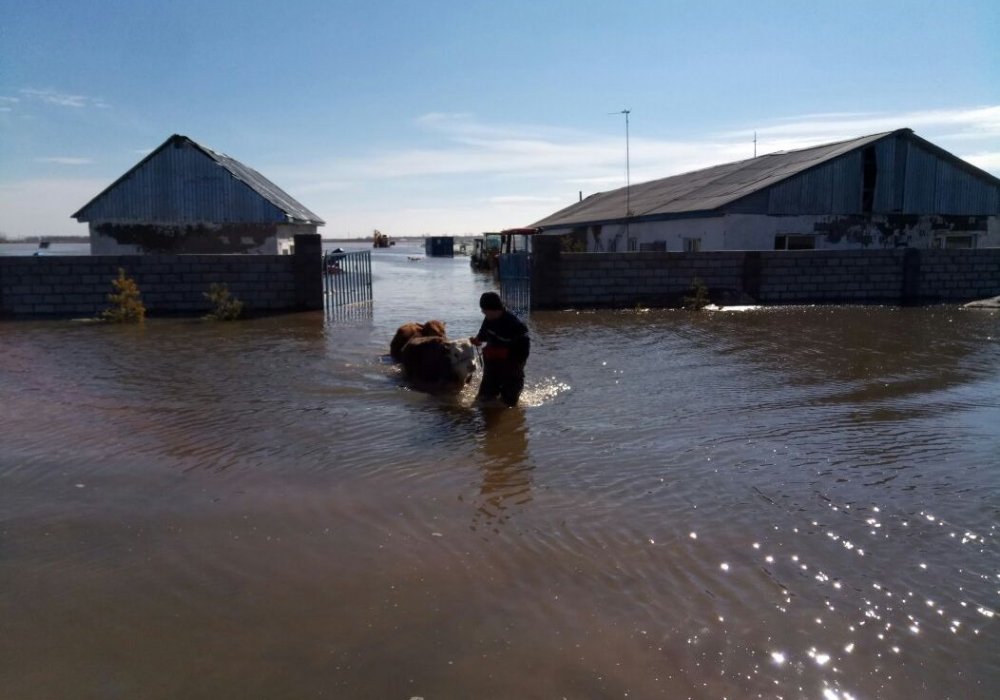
331	261
414	258
43	248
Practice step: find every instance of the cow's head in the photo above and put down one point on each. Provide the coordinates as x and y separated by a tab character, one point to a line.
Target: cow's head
462	356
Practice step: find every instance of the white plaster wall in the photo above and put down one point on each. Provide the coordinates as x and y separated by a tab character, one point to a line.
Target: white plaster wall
615	237
284	243
106	245
992	233
757	232
280	244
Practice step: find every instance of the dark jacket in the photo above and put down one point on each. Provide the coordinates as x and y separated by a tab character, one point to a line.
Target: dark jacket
506	338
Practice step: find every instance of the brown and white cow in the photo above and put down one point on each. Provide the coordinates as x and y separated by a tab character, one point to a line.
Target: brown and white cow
408	331
438	365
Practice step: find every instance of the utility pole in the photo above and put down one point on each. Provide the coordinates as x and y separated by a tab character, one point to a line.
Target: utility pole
628	174
755	144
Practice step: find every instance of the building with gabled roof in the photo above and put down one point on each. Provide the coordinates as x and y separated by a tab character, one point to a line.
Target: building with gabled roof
892	189
186	198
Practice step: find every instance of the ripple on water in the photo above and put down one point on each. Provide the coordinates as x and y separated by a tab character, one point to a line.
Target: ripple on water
794	502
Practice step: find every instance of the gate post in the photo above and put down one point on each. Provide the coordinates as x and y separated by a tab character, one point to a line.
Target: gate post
751	274
545	282
308	271
910	292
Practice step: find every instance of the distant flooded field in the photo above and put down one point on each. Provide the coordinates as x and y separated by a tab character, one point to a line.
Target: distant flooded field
779	503
80	248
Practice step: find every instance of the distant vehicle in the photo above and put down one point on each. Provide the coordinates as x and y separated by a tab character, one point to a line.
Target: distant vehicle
43	248
487	249
381	240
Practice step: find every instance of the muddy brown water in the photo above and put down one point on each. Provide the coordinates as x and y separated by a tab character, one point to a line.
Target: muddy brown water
779	503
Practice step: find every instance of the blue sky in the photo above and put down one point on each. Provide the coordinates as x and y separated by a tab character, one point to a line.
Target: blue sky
440	117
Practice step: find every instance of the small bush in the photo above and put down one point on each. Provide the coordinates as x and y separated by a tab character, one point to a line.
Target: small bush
126	301
699	296
226	307
573	243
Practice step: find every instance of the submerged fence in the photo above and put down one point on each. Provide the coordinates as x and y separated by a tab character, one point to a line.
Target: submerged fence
347	278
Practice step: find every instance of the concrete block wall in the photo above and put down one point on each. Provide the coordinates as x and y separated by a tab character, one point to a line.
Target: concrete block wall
960	275
78	286
835	276
625	279
890	276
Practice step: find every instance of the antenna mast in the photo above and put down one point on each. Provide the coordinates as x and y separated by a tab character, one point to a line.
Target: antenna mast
628	174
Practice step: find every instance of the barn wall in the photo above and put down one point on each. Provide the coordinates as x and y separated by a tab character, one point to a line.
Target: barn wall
181	184
935	185
831	188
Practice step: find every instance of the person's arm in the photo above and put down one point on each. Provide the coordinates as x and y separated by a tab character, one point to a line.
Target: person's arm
478	338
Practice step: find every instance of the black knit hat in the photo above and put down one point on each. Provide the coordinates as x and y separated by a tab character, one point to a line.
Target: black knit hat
490	301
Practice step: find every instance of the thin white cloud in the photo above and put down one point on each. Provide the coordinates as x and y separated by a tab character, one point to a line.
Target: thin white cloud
65	160
986	160
470	147
522	199
470	174
43	207
977	122
61	99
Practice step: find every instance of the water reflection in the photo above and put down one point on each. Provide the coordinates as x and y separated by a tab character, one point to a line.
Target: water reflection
505	467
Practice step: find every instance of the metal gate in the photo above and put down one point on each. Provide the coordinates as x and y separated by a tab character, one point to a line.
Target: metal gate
515	281
347	278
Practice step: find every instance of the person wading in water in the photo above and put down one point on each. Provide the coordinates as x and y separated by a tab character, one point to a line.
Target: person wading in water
506	351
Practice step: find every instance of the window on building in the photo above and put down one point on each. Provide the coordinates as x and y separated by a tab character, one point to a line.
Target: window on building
692	245
789	241
964	241
633	244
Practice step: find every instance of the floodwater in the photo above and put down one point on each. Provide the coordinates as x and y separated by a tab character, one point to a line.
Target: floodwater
775	503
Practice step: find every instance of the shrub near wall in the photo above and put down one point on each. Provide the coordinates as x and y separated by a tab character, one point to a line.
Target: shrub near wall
653	278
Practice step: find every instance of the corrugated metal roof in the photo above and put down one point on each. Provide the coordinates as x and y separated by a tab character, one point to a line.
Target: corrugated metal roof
290	209
704	190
